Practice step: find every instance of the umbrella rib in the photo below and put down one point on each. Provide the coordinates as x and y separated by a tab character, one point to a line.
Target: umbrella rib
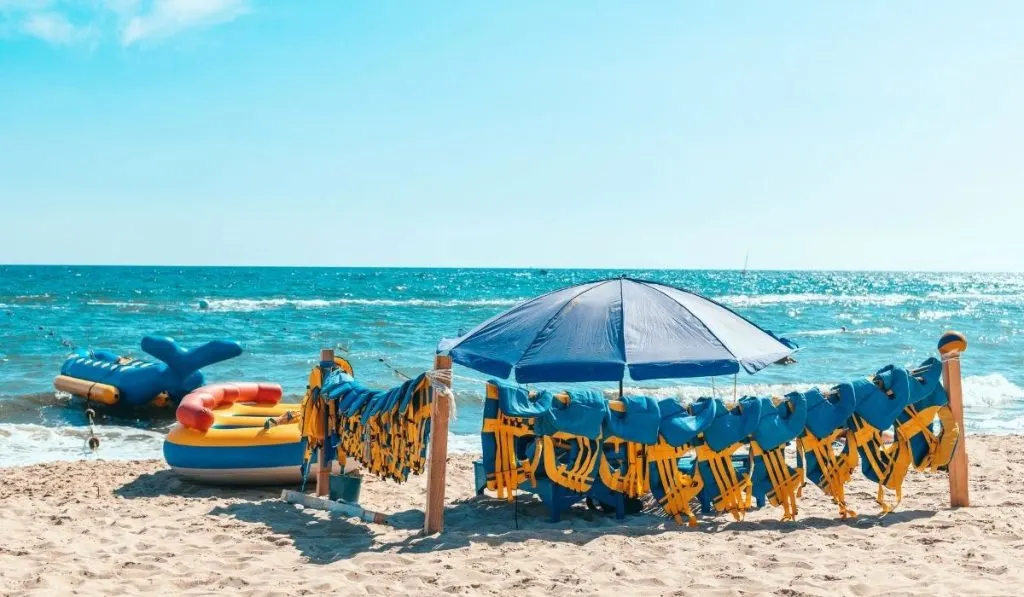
622	322
552	318
700	296
720	305
698	319
516	308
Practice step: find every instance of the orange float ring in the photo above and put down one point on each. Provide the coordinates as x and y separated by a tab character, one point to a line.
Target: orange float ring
196	409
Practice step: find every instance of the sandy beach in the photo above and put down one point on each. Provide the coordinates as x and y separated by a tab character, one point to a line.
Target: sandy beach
106	528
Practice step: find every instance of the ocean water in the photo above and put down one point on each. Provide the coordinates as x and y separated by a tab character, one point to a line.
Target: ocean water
391	319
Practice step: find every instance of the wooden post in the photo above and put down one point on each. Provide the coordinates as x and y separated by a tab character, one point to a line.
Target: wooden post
951	346
437	460
323	475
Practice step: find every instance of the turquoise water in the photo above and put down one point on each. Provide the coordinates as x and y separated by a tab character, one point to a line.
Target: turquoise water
283	316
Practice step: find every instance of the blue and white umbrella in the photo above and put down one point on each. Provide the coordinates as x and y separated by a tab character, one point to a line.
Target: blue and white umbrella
599	330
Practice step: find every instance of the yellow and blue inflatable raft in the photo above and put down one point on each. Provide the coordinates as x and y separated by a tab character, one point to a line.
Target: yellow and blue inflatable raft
220	437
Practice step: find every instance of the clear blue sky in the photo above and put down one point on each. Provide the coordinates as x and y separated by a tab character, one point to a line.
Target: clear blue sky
874	135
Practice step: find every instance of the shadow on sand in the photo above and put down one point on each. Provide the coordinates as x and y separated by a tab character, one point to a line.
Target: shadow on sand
323	538
165	482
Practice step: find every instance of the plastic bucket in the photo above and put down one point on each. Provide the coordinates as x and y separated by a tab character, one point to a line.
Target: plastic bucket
346	488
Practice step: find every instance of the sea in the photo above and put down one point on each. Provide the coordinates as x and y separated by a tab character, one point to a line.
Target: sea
388	322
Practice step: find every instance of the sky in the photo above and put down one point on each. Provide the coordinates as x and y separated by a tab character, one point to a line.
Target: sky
869	135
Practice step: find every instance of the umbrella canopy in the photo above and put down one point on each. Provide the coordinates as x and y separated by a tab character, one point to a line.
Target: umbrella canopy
598	330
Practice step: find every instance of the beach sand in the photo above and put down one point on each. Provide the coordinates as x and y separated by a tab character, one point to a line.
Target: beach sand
125	528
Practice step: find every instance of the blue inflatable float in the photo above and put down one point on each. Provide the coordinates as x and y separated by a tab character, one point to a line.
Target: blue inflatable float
104	377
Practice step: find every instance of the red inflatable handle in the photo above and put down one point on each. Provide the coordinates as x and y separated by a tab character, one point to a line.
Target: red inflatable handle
196	409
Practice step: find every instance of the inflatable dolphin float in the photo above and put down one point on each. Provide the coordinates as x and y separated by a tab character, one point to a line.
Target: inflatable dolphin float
107	378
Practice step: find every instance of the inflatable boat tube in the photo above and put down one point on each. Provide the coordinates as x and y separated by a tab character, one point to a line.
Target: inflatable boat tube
235	449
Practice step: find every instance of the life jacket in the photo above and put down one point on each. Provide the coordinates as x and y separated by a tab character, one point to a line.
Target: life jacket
631	425
571	434
771	476
915	426
386	431
727	486
827	415
511	452
879	401
678	431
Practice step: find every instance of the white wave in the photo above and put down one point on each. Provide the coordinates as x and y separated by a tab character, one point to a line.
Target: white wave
994	424
860	332
464	444
882	331
937	314
30	444
853	319
117	304
26	444
247	305
886	300
689	393
993	404
742	300
992	390
974	296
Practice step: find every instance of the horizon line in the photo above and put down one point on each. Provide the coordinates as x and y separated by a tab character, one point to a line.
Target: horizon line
507	267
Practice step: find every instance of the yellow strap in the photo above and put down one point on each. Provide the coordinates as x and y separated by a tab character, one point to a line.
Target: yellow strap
784	485
735	494
836	470
946	442
890	463
680	488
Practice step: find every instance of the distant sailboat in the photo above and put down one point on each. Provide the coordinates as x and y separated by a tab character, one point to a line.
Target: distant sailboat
746	262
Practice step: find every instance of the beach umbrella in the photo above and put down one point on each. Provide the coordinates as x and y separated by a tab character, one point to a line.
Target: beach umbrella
599	330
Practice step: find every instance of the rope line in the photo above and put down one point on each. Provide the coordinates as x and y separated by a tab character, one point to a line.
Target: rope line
393	369
93	442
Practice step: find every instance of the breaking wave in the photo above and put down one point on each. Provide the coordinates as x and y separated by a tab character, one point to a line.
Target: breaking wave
743	300
248	305
859	332
883	300
739	301
992	404
28	443
992	390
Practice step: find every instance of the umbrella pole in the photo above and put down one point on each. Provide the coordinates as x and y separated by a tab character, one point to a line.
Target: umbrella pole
620	389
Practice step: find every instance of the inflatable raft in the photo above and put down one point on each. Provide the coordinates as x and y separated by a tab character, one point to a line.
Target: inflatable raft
113	380
220	437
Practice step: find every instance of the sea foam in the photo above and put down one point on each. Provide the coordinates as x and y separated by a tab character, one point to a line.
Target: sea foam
27	443
249	305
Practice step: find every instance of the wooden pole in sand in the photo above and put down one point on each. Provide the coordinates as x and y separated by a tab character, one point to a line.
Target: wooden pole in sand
437	460
951	346
323	474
